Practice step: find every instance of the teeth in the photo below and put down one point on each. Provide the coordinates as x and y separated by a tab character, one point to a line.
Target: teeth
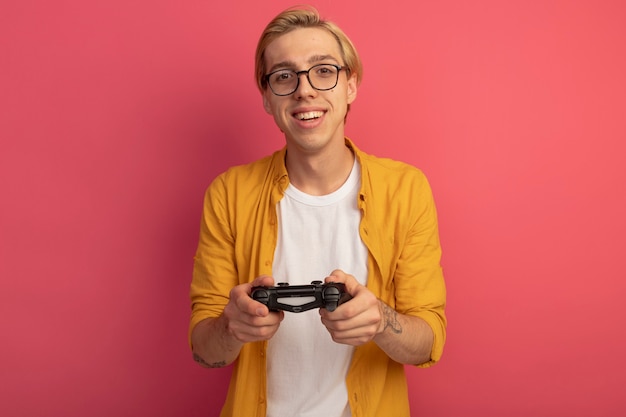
309	115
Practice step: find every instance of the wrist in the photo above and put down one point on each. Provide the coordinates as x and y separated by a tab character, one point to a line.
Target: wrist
381	323
227	334
389	319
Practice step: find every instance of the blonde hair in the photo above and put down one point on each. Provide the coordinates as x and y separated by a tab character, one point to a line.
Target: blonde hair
304	17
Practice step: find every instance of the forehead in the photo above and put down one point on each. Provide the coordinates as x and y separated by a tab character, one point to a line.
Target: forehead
302	46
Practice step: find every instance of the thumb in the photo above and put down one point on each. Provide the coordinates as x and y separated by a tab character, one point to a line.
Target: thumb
263	281
348	280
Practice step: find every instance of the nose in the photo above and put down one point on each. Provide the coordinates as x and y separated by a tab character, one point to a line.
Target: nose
304	87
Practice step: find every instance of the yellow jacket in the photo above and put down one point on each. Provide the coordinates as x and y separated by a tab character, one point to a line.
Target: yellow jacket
399	227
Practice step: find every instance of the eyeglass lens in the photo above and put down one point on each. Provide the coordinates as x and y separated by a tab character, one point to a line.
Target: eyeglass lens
321	77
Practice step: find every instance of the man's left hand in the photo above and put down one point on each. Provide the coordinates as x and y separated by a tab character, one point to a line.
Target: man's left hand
357	321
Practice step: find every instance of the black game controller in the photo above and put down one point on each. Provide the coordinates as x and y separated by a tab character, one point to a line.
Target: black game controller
328	296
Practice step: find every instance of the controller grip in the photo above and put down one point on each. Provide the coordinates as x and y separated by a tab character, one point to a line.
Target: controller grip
328	296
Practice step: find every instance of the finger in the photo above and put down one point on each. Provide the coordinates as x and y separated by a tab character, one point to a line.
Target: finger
352	285
248	332
362	310
253	307
353	336
241	298
241	295
263	281
336	276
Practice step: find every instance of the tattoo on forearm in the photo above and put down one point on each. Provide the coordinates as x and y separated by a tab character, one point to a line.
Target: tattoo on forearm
391	319
202	362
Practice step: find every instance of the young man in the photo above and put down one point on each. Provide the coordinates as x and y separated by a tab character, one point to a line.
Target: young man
319	209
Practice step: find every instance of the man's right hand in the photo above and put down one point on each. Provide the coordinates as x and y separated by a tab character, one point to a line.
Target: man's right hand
217	341
248	320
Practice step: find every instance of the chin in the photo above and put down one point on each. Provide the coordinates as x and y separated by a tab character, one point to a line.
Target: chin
308	142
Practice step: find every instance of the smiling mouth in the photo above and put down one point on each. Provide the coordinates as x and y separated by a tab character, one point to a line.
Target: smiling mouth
309	115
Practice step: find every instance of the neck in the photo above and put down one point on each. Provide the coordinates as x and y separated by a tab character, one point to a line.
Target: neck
320	173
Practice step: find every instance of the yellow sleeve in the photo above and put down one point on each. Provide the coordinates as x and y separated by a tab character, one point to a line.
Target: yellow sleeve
214	270
419	282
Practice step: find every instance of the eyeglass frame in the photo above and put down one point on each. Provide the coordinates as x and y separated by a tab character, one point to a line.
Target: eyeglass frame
298	73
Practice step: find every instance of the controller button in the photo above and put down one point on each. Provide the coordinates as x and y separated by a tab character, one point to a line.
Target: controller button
331	291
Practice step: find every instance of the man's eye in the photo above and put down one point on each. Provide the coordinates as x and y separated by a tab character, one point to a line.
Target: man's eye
325	71
283	76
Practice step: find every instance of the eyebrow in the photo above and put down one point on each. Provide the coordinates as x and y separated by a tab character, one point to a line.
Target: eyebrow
312	60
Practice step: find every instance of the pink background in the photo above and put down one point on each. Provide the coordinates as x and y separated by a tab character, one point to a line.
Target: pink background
116	115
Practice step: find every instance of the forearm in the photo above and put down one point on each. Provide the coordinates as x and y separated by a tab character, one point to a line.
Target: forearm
213	345
405	339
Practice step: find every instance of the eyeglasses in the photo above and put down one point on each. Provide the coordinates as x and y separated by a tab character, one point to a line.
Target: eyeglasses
322	77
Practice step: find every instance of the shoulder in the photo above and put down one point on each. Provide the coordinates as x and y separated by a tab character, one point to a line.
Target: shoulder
248	177
388	165
390	173
385	167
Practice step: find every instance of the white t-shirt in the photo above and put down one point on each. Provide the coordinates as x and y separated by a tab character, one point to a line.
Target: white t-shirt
316	234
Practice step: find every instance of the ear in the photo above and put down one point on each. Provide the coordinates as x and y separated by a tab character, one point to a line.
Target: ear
267	105
352	88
